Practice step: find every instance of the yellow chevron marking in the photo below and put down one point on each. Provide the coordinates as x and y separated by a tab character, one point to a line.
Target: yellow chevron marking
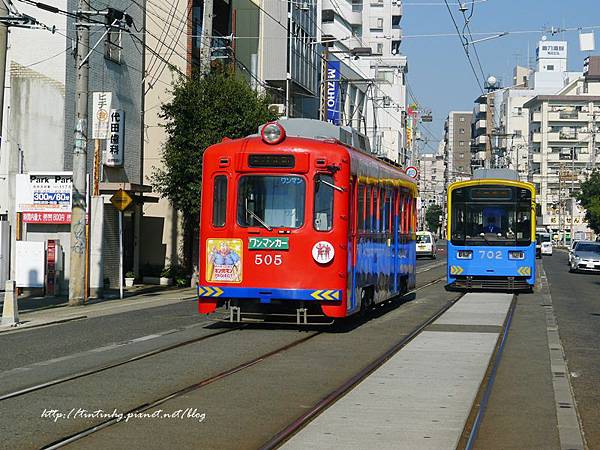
327	294
218	291
316	294
336	295
209	291
524	270
456	270
200	291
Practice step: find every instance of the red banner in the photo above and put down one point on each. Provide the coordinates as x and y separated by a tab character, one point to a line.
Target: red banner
47	217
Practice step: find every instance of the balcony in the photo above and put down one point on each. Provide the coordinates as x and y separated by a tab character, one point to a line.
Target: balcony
565	135
481	123
480	108
481	140
536	137
568	116
396	33
536	117
478	156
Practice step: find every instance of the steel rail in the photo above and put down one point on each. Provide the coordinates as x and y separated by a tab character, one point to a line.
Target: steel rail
89	372
342	390
141	408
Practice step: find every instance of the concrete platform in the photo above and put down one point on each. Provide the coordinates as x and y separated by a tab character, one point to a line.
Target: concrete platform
421	398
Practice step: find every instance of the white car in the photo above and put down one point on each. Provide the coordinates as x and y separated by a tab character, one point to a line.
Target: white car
586	257
426	244
571	251
547	248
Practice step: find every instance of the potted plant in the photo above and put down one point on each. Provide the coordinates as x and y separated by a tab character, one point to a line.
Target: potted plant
166	276
129	279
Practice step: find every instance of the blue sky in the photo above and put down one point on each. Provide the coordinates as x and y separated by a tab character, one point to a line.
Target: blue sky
438	71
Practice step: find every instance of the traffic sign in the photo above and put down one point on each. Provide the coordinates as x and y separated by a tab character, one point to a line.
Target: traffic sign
121	200
411	171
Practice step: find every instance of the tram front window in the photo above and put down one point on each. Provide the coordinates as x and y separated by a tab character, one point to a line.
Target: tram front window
271	201
491	216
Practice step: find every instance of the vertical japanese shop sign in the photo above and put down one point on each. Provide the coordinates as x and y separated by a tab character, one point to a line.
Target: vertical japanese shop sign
333	92
101	114
113	156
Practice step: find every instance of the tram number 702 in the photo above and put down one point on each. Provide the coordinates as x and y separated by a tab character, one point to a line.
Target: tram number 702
267	260
490	254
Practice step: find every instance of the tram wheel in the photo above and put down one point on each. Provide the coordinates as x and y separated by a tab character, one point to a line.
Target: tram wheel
366	300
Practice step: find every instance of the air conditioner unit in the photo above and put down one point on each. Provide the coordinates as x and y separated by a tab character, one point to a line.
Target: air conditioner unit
277	108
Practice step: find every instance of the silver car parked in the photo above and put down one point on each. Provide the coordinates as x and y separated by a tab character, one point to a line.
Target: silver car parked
585	257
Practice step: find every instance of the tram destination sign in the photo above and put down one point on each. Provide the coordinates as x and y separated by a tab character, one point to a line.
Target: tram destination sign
268	243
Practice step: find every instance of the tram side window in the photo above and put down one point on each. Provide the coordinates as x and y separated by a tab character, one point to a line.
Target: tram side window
323	206
381	211
361	207
387	227
373	208
219	201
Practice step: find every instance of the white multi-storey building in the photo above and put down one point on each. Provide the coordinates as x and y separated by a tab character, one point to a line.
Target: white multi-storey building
500	120
565	141
356	28
431	177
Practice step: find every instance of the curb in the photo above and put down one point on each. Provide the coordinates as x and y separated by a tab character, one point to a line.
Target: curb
43	324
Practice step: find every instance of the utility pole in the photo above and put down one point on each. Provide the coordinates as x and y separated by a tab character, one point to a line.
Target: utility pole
573	175
79	199
3	44
324	84
207	31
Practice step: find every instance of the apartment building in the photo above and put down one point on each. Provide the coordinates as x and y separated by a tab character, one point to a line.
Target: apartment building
431	178
565	141
510	133
457	145
366	36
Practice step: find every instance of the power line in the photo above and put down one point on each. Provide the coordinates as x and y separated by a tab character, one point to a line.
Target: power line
463	46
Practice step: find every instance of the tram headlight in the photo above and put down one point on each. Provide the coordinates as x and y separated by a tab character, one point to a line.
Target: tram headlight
272	133
516	254
464	254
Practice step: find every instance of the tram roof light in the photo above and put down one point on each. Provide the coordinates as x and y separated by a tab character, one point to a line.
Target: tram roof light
272	133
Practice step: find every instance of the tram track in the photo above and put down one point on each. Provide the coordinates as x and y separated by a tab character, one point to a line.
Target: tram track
198	385
248	364
285	434
205	382
97	370
86	373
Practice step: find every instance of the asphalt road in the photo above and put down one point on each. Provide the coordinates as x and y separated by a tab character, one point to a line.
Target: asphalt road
39	355
576	300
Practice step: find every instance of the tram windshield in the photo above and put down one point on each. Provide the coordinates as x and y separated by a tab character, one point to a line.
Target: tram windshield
271	201
491	215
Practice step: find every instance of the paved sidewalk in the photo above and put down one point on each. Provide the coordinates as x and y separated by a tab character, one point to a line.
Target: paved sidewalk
422	396
40	311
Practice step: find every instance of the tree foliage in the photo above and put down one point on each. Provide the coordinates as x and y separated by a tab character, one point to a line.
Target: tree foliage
432	218
589	198
203	110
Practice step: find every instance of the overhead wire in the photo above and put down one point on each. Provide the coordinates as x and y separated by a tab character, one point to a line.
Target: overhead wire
462	43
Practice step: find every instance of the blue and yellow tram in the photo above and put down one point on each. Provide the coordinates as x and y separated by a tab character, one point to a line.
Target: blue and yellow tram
491	232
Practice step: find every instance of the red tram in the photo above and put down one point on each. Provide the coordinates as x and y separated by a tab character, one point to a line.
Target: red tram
302	221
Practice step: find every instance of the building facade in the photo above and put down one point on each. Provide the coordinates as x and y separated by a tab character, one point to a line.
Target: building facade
457	144
431	181
33	130
379	94
509	136
565	141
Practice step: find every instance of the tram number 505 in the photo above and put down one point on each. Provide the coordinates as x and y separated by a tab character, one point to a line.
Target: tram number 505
267	260
490	254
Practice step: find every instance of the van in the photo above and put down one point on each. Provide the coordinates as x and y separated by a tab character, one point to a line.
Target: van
426	244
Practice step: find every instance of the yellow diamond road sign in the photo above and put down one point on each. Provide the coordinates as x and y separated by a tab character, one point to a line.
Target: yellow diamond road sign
121	200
